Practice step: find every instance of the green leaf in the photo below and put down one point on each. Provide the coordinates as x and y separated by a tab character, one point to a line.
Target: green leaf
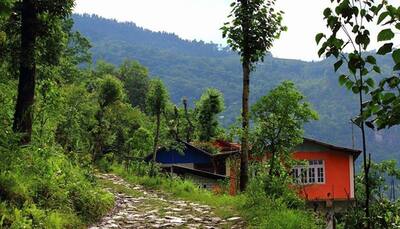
364	71
338	64
355	89
397	26
342	80
370	82
386	48
321	51
374	108
388	98
371	60
318	37
396	56
377	69
349	84
355	28
370	125
382	17
385	35
327	12
396	67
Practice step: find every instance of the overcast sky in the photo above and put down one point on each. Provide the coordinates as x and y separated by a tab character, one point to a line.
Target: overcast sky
201	20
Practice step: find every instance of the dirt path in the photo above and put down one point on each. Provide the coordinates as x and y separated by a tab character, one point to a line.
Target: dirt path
137	207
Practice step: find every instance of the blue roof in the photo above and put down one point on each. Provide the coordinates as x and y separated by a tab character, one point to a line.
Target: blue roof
190	154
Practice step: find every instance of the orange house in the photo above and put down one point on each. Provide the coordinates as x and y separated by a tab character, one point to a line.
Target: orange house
326	176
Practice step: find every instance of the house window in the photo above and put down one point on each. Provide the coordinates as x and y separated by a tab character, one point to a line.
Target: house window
313	173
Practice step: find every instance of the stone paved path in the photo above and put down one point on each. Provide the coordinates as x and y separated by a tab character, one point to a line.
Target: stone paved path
136	207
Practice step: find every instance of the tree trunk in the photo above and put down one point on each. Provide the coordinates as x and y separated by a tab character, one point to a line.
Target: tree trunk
244	164
155	145
23	115
366	162
190	128
177	123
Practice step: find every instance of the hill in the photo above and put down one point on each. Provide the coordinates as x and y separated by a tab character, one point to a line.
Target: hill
188	67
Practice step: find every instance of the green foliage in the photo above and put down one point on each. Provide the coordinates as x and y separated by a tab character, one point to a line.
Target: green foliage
208	107
111	91
104	68
41	188
253	27
5	7
385	211
279	200
274	187
51	38
79	108
279	118
136	81
157	97
384	107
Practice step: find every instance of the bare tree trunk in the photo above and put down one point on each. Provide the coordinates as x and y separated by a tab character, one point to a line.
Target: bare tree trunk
244	164
152	172
190	129
23	115
177	123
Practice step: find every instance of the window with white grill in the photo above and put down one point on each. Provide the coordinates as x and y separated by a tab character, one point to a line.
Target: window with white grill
313	173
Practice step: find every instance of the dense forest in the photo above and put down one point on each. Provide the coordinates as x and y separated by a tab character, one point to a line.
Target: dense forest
188	67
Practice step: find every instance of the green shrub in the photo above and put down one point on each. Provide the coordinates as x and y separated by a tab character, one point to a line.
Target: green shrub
41	188
89	202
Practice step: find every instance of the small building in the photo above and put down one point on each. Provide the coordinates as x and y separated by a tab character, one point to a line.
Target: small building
327	177
204	179
193	163
324	178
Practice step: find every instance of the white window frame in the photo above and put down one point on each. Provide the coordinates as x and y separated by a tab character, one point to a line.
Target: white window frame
313	173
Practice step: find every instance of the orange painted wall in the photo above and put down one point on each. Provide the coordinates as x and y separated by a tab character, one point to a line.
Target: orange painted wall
337	176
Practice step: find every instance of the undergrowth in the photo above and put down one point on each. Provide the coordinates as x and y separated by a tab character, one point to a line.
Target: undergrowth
42	188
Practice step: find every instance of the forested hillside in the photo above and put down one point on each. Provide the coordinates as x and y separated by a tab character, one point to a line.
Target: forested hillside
188	67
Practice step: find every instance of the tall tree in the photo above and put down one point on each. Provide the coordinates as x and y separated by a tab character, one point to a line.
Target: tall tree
208	107
279	118
156	102
253	27
136	81
110	91
348	22
36	20
189	125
